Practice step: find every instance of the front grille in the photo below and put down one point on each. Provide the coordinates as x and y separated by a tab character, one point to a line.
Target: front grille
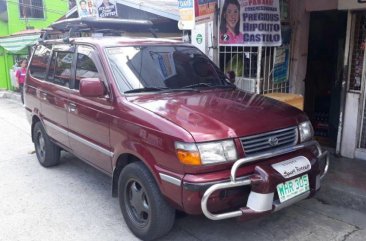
268	141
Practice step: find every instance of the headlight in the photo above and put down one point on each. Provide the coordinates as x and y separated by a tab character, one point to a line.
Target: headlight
206	153
306	131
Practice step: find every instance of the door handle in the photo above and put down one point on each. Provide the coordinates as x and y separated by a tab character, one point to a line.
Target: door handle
72	107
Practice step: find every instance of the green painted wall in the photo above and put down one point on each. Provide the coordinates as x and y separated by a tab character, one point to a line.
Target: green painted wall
53	10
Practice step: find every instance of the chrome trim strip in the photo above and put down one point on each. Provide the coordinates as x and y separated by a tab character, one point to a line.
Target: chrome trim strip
53	126
170	179
77	138
91	145
278	206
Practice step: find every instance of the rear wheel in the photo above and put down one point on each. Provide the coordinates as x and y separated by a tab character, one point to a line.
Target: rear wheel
144	209
48	153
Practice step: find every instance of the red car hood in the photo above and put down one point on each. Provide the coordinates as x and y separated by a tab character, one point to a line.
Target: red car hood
220	114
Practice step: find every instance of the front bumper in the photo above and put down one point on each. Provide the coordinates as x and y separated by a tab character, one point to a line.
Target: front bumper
262	202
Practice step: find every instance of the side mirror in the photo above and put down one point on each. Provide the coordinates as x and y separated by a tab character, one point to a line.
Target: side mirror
91	87
231	76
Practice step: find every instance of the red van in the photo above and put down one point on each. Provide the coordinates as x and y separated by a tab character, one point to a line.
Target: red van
170	129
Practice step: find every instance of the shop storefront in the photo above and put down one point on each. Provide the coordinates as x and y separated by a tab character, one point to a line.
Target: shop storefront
322	57
14	48
353	142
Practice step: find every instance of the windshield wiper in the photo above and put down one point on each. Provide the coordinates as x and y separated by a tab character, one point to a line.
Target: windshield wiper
155	89
202	84
145	89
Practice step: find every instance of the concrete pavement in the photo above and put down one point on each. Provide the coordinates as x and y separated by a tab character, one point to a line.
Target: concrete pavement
73	201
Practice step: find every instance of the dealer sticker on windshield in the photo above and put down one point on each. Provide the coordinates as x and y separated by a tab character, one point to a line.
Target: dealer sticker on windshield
293	166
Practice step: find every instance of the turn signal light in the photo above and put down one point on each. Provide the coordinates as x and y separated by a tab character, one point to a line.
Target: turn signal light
189	158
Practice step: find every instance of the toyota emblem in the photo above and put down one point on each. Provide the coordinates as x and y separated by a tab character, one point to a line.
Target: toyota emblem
273	141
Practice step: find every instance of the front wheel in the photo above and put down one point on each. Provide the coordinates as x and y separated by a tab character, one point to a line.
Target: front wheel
144	209
48	153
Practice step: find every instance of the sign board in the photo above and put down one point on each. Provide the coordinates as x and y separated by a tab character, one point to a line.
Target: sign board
199	37
97	8
187	15
281	64
204	10
194	12
351	4
250	23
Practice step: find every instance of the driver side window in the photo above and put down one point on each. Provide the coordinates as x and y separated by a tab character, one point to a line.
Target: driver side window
85	66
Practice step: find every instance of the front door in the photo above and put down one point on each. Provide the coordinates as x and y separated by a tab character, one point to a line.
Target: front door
88	118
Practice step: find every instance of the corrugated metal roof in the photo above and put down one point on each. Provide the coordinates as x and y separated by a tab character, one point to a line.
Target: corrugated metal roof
164	8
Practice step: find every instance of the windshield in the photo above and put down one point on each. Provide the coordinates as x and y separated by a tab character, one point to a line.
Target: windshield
163	68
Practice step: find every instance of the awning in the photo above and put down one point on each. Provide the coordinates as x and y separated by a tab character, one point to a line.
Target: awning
16	43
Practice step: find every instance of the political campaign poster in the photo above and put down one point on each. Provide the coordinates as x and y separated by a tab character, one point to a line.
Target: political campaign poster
106	8
86	8
204	10
250	23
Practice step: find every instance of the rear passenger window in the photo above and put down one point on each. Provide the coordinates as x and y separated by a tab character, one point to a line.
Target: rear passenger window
85	67
60	68
38	65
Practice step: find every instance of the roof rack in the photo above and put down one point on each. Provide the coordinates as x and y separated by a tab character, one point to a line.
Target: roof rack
100	25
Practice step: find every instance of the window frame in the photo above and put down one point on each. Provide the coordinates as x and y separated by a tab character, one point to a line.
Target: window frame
98	64
61	49
47	64
20	4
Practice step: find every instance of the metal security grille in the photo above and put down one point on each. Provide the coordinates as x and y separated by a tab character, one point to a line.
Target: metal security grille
358	50
253	67
268	141
31	9
357	65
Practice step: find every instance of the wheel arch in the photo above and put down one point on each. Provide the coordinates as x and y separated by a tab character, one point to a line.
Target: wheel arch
122	161
35	119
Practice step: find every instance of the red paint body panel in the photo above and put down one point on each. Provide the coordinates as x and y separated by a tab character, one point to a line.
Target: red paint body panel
221	114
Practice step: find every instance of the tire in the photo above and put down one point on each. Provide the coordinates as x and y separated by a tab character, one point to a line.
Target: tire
48	153
144	209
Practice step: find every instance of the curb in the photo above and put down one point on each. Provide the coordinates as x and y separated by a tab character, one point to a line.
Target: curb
5	94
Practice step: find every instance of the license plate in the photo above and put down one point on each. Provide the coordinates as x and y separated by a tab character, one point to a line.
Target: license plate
293	188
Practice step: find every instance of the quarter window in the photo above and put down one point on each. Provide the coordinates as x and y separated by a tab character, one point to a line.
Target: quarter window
60	68
31	8
38	65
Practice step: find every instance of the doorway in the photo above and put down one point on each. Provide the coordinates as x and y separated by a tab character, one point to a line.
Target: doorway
327	34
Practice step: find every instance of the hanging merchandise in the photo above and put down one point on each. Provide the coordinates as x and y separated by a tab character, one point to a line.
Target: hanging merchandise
250	23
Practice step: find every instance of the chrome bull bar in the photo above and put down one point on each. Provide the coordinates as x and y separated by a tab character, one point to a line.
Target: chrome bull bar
233	183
